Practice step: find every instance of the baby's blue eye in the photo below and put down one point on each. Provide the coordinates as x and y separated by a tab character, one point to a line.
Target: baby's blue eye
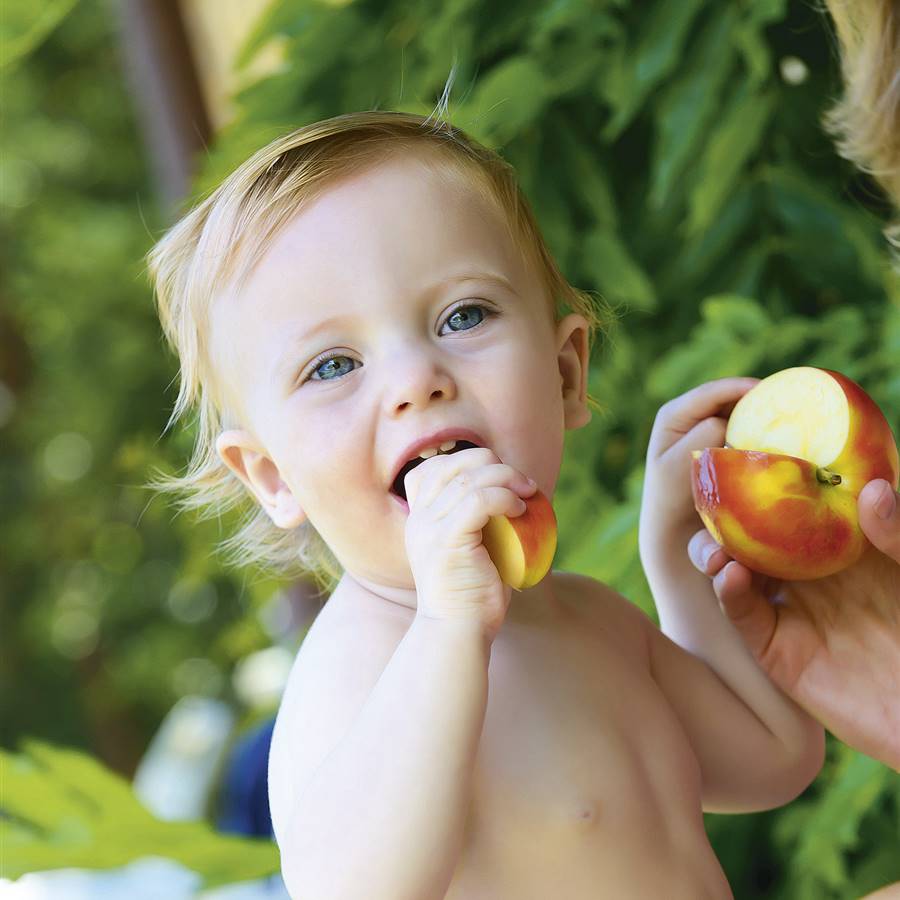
328	368
463	315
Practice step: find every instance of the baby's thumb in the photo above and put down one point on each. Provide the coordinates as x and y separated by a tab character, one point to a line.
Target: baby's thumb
879	517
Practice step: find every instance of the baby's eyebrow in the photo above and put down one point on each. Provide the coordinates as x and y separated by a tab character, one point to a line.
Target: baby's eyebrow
287	362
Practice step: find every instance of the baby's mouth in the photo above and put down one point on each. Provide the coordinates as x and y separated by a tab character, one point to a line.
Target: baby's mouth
399	488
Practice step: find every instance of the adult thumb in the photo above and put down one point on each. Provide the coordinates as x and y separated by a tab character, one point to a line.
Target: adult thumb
879	517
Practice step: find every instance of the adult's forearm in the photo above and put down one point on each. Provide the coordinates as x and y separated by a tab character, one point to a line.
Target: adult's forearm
383	816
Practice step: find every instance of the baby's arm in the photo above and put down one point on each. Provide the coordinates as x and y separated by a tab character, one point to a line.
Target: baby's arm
381	765
756	747
380	812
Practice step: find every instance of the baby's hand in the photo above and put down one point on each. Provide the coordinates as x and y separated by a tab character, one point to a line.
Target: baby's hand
451	498
692	421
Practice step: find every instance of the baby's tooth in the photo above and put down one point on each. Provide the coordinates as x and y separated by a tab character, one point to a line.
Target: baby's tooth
427	454
449	445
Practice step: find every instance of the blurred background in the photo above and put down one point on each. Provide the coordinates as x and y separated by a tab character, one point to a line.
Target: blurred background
676	160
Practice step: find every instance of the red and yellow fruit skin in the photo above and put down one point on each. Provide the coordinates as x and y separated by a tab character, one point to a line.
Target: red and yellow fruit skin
771	514
781	515
870	451
522	547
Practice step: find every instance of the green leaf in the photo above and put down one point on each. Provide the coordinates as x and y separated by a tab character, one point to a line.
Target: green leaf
555	217
571	45
751	40
62	809
842	335
606	260
732	144
740	316
22	32
607	548
48	786
687	106
712	246
507	100
635	72
814	219
585	173
822	832
784	343
730	340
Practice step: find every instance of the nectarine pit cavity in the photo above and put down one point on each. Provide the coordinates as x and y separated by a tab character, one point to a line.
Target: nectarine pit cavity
399	485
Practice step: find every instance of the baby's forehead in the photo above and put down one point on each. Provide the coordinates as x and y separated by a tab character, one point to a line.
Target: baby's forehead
399	221
421	204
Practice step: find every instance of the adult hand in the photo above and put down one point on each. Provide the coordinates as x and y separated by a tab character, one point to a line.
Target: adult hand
879	517
832	644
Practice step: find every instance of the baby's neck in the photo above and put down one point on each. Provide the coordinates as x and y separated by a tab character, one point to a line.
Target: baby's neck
526	607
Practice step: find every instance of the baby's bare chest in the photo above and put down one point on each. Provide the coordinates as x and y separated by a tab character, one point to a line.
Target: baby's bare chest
581	766
574	725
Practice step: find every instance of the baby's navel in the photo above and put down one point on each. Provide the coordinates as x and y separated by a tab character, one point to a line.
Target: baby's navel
586	814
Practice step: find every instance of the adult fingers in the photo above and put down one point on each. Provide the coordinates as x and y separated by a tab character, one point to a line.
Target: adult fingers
742	594
879	517
745	603
707	555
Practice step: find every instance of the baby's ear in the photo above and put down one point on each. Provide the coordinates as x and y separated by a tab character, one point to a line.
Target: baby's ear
241	453
573	360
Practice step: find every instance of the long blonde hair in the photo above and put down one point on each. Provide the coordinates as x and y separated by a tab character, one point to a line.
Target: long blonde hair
218	242
865	121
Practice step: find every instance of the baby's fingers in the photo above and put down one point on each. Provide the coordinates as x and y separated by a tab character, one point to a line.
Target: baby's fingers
707	405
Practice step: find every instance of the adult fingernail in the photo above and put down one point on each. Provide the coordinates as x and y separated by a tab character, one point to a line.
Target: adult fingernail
884	505
708	555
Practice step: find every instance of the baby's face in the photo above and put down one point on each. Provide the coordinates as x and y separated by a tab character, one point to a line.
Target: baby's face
388	274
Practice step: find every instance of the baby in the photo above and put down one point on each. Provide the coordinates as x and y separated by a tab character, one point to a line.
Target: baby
372	290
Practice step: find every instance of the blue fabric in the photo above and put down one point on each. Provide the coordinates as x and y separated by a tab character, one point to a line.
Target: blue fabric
244	798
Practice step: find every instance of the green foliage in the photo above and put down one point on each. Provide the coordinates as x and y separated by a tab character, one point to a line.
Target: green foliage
823	833
674	171
61	808
21	33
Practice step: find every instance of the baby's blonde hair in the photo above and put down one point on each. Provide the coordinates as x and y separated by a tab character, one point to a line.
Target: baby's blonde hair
865	121
219	241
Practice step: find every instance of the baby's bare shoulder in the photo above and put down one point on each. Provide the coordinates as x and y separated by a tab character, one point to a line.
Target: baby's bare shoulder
602	613
602	606
338	663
